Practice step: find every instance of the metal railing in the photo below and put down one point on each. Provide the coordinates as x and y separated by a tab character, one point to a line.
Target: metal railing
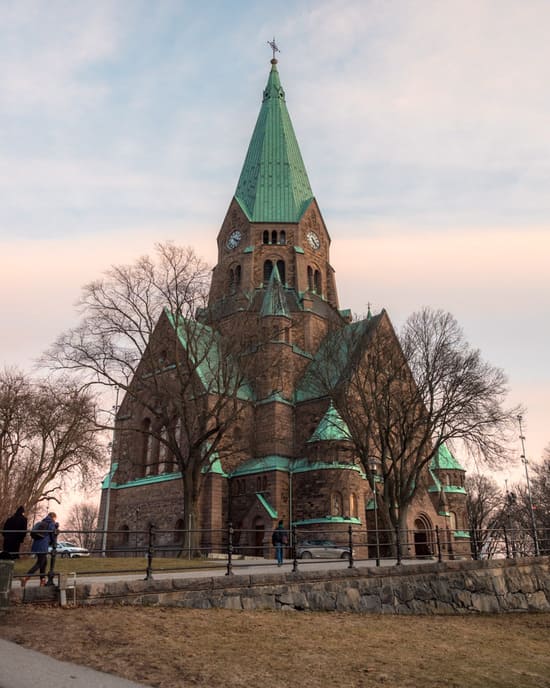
165	550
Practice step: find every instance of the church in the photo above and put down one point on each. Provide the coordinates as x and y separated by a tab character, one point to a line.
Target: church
296	461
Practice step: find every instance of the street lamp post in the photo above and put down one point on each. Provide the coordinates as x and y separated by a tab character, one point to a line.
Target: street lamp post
374	471
109	481
525	463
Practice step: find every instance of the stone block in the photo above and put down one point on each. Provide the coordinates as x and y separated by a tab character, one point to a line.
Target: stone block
231	602
537	602
6	576
487	604
349	601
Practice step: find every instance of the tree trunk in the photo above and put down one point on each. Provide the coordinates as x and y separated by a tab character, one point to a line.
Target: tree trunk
191	535
402	535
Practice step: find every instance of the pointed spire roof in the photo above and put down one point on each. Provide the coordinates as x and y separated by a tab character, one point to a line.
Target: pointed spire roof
274	302
331	427
273	186
445	461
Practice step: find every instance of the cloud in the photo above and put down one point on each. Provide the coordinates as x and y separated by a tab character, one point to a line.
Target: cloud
45	50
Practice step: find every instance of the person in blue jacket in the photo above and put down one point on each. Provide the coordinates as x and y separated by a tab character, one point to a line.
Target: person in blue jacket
44	536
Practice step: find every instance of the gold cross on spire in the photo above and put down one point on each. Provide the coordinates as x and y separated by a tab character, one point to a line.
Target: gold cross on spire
273	46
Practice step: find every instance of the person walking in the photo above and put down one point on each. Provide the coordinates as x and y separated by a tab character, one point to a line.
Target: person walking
44	535
279	540
14	531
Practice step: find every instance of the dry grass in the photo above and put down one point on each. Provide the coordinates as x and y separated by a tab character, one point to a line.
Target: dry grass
170	648
109	565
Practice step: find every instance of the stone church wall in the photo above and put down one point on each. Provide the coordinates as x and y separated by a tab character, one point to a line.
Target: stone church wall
450	588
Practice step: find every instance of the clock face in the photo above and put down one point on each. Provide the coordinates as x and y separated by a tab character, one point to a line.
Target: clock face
313	240
234	239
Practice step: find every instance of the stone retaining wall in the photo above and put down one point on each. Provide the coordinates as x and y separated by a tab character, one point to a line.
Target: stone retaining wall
458	587
6	574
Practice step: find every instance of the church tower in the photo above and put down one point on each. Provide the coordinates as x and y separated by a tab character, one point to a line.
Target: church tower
273	270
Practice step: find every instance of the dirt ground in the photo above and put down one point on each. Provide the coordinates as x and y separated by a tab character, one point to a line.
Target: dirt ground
171	648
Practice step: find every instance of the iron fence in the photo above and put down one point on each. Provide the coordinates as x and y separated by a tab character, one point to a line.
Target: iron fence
165	550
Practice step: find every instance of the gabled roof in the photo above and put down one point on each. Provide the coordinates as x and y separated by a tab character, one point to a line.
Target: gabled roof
332	427
273	186
274	302
203	345
329	365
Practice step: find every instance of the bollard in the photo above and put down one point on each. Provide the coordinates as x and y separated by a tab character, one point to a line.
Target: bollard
438	543
150	553
229	571
294	550
398	545
350	545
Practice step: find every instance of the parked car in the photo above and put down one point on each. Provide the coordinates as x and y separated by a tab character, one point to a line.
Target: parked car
321	549
69	549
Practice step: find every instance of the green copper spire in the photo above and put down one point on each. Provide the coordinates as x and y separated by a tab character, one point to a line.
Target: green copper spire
331	427
273	186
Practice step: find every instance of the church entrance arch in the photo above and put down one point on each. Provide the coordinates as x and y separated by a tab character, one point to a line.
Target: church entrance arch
258	534
423	537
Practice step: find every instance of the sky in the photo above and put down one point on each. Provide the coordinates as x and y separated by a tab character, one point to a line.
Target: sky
423	126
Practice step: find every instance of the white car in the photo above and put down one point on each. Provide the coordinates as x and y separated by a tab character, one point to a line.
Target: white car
69	549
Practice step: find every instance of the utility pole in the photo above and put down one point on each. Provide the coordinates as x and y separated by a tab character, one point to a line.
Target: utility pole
531	510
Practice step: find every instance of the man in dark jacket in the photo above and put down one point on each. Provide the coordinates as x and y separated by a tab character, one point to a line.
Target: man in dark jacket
43	535
278	540
14	531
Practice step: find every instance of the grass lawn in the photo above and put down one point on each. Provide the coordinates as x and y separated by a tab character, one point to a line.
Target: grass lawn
94	565
173	648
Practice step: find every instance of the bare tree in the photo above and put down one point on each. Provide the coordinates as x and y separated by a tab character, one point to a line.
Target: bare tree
403	399
487	512
83	521
540	488
48	433
141	330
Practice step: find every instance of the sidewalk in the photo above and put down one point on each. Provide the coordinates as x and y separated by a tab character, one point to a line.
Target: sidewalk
22	668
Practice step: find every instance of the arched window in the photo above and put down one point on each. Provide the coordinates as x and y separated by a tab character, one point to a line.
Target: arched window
336	506
273	237
353	505
163	451
310	278
125	536
268	269
317	282
237	436
231	281
281	267
146	446
282	237
452	520
266	237
238	276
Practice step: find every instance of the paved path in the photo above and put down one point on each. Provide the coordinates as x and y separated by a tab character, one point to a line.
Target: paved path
246	567
24	668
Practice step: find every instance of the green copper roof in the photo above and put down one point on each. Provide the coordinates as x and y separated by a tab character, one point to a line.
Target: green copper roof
203	346
273	186
274	302
444	460
272	512
331	427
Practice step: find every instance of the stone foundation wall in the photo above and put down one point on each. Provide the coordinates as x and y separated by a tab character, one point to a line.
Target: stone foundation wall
459	587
